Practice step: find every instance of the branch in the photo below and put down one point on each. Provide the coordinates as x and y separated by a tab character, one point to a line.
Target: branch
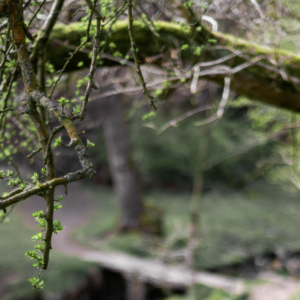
96	45
34	152
175	121
135	57
33	96
17	196
94	10
255	82
220	111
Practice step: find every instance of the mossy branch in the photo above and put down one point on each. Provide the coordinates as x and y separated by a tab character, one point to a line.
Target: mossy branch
273	80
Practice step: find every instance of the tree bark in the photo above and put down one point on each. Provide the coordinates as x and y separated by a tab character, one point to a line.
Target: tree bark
122	172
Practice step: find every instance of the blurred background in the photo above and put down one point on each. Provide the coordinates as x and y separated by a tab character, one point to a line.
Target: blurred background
171	201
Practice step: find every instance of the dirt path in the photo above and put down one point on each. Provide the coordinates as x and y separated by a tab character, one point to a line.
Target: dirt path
278	288
78	209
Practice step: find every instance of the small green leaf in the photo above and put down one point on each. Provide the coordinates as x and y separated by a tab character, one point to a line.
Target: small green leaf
151	114
22	186
37	237
42	223
57	226
38	214
9	173
80	64
185	47
33	280
35	177
76	110
212	41
90	144
63	101
31	254
57	206
58	142
40	247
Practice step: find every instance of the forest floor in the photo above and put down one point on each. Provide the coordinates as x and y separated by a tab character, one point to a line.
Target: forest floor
77	211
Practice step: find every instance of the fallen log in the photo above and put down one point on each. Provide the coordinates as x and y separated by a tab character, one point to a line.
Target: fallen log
160	274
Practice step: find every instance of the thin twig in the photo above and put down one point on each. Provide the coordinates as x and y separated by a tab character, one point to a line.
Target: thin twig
91	84
94	10
222	106
175	121
72	55
51	137
34	152
135	56
36	12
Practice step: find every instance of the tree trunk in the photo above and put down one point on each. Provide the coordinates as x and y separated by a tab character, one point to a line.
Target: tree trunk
122	172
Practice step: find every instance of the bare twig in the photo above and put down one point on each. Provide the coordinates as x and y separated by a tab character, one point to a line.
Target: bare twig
34	152
175	121
222	106
72	55
135	56
257	7
91	84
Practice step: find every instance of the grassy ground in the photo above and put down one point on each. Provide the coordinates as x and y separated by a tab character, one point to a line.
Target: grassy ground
235	225
205	293
64	272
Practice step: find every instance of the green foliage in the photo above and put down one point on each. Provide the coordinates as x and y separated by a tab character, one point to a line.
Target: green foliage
63	101
66	272
40	217
80	64
35	178
172	155
149	115
37	283
9	173
57	206
3	217
22	186
38	214
57	226
278	128
185	47
198	51
76	110
212	41
37	237
14	182
42	223
31	254
49	67
58	142
90	144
